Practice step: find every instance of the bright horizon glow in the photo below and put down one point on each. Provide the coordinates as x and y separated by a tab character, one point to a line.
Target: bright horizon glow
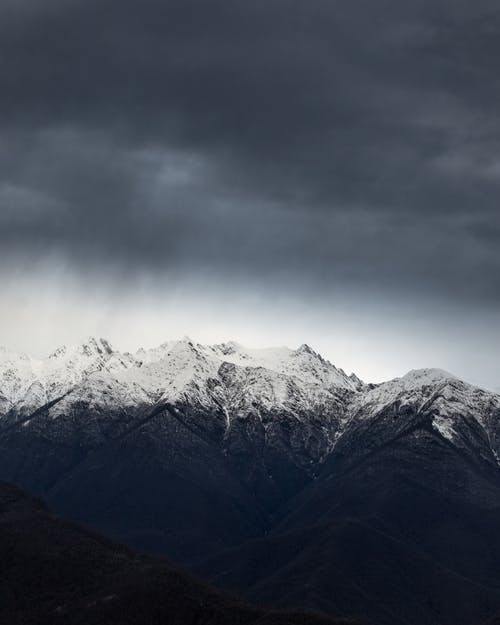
377	342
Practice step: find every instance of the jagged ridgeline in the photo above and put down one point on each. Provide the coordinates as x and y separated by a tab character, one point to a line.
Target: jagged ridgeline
271	472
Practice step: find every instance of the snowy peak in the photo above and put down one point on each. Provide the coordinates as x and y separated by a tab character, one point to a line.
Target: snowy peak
91	348
17	373
417	378
305	349
239	380
462	414
303	363
27	383
97	346
416	386
178	370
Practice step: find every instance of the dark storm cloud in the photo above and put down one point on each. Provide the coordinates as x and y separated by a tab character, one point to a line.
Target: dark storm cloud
332	142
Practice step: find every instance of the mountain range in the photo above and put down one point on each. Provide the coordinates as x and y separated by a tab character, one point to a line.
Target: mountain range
270	472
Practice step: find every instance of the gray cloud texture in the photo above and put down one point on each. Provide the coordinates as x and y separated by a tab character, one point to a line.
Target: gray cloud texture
325	144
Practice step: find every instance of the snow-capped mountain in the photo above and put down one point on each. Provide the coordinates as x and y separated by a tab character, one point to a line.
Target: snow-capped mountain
174	371
465	416
268	410
237	381
27	383
193	449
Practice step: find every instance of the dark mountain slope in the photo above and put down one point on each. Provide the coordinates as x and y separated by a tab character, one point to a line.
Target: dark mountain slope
55	572
410	524
160	487
374	500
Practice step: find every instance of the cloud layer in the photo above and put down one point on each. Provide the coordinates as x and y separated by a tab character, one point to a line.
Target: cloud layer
322	146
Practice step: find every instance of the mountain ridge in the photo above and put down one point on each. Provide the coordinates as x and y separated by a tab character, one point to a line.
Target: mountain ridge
265	470
96	355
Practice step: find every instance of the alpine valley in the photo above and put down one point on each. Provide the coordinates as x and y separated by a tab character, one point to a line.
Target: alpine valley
270	472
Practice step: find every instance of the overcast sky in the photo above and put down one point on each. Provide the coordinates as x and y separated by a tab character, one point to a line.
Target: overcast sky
269	171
